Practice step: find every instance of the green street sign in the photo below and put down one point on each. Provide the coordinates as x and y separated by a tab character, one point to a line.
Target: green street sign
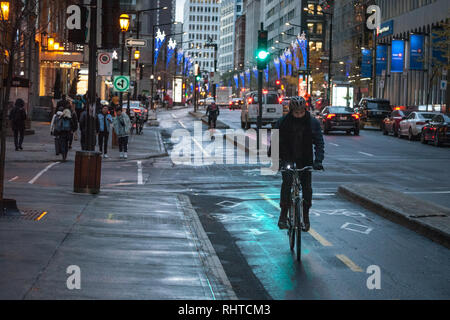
122	83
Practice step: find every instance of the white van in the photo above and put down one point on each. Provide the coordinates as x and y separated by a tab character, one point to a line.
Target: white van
272	109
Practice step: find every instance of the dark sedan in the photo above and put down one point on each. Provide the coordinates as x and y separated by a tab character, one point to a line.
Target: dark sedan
339	119
391	123
437	130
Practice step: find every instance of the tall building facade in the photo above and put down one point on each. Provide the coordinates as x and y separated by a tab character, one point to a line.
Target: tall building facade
201	26
419	29
253	19
239	40
230	10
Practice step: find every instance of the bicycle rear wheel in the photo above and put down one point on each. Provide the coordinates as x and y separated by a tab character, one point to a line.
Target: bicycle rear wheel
298	229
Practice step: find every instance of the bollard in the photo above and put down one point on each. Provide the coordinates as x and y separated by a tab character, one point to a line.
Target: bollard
88	170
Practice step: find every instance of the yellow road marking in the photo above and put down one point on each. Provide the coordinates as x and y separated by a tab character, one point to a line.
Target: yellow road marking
312	232
349	263
41	216
319	238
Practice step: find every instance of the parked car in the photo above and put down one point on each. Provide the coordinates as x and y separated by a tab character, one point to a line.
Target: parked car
236	103
335	118
373	111
412	125
437	130
392	123
272	109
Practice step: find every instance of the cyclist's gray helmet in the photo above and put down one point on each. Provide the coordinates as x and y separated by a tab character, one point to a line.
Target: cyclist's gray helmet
297	103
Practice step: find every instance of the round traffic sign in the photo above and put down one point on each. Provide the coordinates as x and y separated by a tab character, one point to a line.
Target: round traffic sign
104	58
122	83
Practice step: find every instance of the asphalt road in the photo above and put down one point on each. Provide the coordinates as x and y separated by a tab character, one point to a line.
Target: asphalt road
238	208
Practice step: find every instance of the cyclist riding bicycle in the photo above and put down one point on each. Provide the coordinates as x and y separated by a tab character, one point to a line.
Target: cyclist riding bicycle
299	131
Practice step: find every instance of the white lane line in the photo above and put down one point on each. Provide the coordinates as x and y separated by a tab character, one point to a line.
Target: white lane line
140	178
366	154
42	172
173	116
333	144
13	179
200	146
427	192
182	124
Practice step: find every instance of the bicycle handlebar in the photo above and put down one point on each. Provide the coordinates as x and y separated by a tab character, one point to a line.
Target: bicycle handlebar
307	168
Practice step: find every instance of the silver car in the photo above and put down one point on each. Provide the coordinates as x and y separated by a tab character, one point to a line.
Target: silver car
412	125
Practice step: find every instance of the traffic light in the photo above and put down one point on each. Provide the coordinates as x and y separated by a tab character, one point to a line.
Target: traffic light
278	83
198	78
262	54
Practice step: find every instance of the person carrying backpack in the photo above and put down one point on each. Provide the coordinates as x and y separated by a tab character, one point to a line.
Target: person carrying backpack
18	117
54	132
212	112
122	126
64	131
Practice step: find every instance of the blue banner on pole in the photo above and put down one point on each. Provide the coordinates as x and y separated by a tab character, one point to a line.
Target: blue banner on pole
366	63
398	55
416	52
381	59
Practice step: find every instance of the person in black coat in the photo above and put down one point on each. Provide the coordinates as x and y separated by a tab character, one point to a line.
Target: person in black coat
299	132
18	117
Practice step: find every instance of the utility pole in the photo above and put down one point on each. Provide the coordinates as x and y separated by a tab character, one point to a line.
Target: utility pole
262	58
92	81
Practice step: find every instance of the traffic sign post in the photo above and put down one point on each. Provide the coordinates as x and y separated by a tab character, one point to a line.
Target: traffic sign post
122	83
105	66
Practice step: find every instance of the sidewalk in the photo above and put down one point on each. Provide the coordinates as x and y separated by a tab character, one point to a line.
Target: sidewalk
132	243
40	147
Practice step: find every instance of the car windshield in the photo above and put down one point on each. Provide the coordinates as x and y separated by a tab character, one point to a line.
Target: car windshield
272	99
341	110
378	105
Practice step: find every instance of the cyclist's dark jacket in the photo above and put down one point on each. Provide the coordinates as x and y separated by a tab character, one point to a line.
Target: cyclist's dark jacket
297	137
213	111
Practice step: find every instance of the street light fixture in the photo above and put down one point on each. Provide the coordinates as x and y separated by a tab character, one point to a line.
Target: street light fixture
137	54
124	21
4	5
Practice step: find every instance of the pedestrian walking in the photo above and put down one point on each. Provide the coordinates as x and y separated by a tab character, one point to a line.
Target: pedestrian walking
104	120
78	106
64	129
122	126
212	112
69	106
18	117
54	132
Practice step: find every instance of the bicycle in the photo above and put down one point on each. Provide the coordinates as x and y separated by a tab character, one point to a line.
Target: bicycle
295	212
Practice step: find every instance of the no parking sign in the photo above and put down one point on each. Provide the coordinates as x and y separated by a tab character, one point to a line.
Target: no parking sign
105	66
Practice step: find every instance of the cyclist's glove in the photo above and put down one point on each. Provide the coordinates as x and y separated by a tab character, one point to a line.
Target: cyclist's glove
318	165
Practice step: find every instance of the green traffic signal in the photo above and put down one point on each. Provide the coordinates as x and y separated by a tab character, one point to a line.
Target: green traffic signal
197	78
263	55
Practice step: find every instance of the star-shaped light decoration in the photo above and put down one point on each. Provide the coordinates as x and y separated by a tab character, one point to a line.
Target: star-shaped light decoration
172	44
160	36
302	36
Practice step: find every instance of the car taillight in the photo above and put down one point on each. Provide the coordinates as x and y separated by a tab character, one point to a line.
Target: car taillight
355	116
280	100
250	100
331	115
137	110
231	102
420	123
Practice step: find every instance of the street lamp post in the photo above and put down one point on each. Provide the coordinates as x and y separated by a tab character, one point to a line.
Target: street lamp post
124	25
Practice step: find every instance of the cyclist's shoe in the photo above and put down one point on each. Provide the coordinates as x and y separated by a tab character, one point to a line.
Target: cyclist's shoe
282	222
306	225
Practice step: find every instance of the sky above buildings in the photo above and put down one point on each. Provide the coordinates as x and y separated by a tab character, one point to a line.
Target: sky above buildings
179	13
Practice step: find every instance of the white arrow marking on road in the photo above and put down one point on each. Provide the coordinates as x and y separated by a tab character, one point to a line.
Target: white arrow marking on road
42	172
366	154
140	178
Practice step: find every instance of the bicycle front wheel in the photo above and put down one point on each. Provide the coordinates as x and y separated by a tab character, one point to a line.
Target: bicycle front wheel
291	230
298	229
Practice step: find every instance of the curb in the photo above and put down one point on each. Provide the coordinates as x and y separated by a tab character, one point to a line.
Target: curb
423	228
218	281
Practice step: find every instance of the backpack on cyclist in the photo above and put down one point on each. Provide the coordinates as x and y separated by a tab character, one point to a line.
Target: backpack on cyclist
63	124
